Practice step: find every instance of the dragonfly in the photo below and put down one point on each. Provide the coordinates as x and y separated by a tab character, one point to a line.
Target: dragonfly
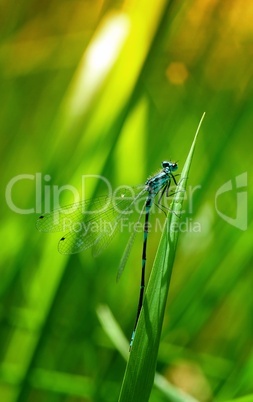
93	223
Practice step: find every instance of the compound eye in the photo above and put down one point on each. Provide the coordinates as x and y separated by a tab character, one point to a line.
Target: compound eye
166	164
169	165
174	166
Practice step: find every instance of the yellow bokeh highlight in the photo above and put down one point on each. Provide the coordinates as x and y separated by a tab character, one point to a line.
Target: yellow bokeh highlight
177	73
97	61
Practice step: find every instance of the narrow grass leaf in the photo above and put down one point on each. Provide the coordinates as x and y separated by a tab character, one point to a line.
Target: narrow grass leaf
140	370
247	398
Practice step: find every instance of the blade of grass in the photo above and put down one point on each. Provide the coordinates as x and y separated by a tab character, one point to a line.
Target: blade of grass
247	398
117	337
140	371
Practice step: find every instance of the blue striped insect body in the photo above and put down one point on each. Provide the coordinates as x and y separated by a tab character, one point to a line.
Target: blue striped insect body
93	223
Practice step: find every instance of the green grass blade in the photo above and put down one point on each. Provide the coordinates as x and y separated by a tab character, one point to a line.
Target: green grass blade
140	371
247	398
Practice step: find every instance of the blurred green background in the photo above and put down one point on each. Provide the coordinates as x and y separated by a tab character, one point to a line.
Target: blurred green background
113	88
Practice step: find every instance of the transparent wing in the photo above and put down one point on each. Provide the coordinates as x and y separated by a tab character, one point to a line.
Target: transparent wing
91	222
62	219
128	208
90	233
128	248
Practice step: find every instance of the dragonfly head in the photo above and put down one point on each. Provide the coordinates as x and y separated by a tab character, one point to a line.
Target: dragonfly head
169	166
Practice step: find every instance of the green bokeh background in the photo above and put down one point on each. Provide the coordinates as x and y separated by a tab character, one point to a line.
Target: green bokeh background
112	88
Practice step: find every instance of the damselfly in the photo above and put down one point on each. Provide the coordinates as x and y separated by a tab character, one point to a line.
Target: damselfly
92	223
